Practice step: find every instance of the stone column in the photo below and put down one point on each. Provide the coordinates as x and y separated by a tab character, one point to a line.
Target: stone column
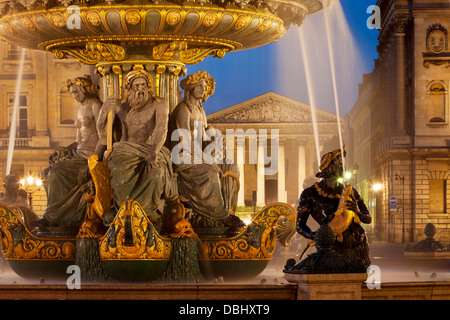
281	172
240	163
260	176
301	165
400	25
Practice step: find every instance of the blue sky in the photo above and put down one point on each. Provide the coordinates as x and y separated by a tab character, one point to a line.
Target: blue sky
278	67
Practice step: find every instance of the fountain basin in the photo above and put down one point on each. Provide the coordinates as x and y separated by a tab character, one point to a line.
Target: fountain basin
146	255
31	256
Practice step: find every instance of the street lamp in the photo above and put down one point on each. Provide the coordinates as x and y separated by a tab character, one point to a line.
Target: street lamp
402	179
31	184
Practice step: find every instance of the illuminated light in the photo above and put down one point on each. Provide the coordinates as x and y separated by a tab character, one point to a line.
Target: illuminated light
22	182
30	180
376	187
348	175
38	182
341	180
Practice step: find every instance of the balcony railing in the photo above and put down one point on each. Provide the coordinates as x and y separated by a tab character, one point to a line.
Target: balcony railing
19	142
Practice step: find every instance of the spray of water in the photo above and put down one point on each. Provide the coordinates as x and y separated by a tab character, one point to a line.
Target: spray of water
321	63
328	14
311	96
13	129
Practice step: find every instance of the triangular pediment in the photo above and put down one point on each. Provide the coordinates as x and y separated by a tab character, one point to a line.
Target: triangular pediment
270	108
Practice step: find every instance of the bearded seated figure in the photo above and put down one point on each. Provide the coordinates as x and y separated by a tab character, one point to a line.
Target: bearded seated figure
140	166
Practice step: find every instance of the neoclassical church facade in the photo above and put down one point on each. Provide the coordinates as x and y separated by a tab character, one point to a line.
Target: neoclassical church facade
287	123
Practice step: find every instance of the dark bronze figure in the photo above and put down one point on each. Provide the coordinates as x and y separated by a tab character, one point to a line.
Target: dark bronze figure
322	201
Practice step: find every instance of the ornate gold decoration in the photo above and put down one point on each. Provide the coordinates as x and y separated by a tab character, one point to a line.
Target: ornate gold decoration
58	20
173	17
160	69
145	242
8	27
27	23
193	56
210	19
265	25
325	194
242	21
94	18
166	51
19	244
257	241
101	176
133	17
94	53
118	70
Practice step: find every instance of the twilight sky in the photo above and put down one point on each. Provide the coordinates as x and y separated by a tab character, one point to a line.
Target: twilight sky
279	67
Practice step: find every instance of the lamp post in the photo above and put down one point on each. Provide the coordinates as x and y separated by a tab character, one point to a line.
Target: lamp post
402	179
31	184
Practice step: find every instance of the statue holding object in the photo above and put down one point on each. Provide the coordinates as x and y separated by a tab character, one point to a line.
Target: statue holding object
342	208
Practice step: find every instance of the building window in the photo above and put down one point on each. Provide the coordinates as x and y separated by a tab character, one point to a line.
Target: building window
22	114
438	196
437	96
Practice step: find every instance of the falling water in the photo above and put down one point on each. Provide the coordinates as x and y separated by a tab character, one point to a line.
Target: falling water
312	101
12	134
328	15
320	63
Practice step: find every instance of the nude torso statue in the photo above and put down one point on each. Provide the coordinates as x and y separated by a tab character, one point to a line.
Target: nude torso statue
67	180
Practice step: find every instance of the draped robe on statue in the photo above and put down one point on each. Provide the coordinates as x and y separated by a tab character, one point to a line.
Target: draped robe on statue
66	192
130	179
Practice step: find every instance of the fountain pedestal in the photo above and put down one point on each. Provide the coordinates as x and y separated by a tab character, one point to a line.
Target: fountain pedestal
337	286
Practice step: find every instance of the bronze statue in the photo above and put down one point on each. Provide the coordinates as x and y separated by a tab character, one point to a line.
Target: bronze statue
67	180
211	198
140	165
324	203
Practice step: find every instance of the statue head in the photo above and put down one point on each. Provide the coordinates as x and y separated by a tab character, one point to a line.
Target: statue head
200	85
82	87
138	84
331	164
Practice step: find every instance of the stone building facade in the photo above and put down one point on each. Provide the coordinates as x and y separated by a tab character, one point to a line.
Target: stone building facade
398	131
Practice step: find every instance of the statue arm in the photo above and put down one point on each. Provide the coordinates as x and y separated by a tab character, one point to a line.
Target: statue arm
303	212
159	133
102	125
182	120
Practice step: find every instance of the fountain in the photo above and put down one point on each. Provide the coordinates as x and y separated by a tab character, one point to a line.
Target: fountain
158	38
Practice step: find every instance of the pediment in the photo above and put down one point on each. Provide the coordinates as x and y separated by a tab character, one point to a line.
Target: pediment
270	108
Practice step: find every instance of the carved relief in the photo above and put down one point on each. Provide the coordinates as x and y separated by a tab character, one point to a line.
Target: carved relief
437	38
270	110
437	47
